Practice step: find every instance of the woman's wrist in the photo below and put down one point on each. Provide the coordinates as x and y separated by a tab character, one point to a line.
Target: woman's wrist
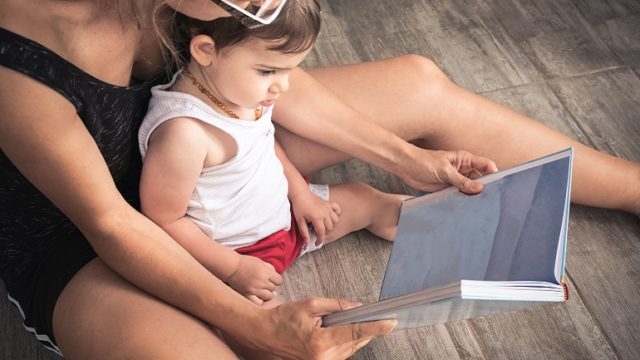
254	328
395	157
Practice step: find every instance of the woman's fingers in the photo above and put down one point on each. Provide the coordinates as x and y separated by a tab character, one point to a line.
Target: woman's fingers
433	170
351	338
483	164
464	163
299	327
463	183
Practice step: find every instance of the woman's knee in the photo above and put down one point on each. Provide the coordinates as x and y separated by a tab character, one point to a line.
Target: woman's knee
421	68
422	80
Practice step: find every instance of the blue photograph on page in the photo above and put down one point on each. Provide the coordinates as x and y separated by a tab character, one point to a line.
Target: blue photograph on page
509	232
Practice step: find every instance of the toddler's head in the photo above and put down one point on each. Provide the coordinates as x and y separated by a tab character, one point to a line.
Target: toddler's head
248	68
294	30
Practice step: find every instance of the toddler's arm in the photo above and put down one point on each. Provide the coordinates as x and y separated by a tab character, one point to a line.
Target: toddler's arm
307	207
172	166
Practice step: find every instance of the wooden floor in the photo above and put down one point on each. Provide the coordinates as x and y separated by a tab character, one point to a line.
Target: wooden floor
575	65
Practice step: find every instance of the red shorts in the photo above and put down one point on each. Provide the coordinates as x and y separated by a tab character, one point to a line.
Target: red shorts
279	249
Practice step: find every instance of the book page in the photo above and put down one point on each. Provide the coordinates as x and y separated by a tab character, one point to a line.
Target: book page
509	232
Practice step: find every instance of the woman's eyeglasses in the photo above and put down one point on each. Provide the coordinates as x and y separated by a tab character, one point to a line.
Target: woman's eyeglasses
252	13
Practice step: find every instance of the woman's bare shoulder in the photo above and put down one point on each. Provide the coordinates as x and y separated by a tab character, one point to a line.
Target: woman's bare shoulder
98	42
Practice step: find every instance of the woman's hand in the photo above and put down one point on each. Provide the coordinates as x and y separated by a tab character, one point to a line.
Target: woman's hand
255	279
431	170
294	331
310	209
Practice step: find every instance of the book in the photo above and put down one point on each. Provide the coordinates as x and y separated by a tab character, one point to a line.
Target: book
459	256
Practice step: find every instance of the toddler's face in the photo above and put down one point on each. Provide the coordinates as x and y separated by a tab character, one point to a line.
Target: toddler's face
249	75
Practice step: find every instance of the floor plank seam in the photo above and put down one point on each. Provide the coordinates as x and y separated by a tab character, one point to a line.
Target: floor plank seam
558	78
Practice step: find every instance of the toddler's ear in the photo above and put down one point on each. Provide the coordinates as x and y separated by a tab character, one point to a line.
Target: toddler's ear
202	49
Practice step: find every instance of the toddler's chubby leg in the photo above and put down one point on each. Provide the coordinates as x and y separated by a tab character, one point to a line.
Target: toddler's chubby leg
363	207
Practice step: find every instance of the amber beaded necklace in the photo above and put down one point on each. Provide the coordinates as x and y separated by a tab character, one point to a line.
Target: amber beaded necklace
218	103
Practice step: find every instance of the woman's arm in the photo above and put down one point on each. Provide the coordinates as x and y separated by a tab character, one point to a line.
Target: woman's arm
173	163
312	111
50	145
62	160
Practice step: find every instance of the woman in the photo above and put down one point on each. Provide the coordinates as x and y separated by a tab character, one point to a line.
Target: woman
63	161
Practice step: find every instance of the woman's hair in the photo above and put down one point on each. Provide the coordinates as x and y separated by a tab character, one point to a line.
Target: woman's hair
129	12
294	30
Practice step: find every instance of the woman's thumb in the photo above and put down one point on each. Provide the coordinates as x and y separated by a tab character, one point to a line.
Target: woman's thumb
465	184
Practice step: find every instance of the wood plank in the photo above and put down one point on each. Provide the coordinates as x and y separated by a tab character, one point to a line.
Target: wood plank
622	35
554	36
447	32
554	331
607	106
604	262
598	11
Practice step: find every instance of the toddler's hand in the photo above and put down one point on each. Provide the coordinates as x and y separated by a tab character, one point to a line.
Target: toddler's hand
255	279
310	209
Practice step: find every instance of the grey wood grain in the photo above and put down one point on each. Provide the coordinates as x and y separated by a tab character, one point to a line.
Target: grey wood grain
622	35
554	35
597	11
607	107
604	262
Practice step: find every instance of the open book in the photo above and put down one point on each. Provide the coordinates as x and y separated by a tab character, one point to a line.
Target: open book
460	256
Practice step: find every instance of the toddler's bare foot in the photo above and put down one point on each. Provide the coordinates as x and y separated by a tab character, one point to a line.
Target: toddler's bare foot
636	208
384	223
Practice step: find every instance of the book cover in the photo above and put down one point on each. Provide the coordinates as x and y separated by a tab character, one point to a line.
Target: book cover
458	256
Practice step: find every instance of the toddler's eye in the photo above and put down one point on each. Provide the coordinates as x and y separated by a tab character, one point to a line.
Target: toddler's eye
266	72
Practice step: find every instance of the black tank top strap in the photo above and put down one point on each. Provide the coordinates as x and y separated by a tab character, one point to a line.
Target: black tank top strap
39	63
40	248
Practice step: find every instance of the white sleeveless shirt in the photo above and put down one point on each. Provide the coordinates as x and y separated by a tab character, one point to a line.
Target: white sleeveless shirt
243	200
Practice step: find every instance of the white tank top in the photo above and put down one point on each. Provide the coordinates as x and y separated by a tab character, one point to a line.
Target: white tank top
243	200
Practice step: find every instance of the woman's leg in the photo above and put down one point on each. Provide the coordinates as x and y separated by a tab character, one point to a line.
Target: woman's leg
412	98
363	207
99	315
